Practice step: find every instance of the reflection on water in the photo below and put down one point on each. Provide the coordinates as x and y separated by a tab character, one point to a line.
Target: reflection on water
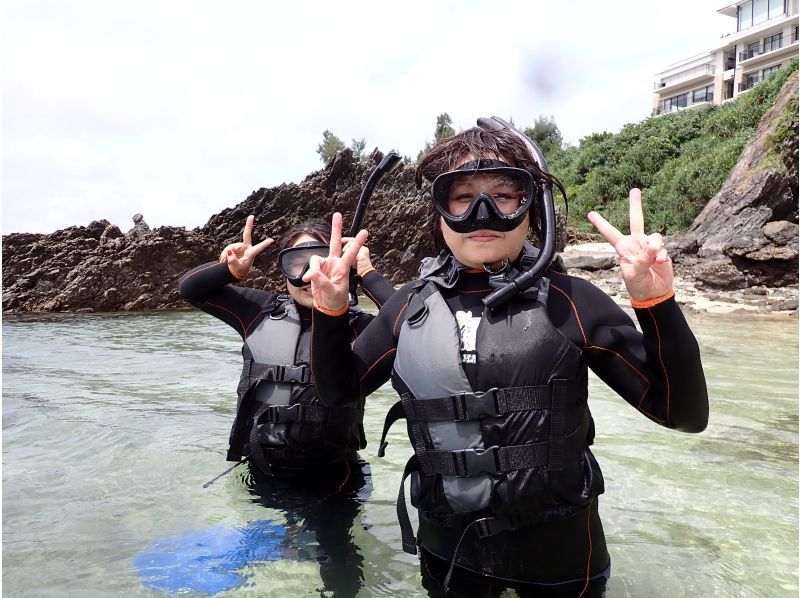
111	425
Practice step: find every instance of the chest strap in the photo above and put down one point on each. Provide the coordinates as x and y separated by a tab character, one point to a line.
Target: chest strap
278	373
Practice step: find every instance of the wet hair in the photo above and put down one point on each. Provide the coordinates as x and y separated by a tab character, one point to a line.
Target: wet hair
319	229
480	143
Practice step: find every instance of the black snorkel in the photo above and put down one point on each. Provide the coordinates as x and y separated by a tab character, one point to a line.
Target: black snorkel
547	215
389	162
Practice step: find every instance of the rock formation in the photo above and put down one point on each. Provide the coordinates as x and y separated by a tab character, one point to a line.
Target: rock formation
747	235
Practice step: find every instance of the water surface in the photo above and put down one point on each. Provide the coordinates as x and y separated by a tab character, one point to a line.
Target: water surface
112	424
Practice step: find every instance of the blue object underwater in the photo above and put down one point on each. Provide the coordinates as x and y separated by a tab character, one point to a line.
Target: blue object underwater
208	561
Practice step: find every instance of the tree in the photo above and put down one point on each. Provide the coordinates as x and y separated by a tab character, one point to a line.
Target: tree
443	128
547	136
358	147
329	146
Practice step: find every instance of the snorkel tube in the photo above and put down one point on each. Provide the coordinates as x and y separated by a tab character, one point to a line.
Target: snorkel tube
548	217
389	162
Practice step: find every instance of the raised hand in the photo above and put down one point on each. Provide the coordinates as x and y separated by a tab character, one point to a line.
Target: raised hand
330	276
240	256
363	261
643	261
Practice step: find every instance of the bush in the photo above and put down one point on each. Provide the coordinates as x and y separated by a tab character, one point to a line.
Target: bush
679	160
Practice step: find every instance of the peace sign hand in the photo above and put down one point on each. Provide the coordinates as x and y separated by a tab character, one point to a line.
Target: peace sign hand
643	261
330	276
240	256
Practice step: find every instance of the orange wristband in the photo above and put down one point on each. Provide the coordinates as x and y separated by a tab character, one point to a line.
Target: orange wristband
331	312
367	272
651	302
237	277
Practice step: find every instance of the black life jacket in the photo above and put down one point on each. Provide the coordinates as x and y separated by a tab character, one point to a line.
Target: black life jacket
279	419
512	451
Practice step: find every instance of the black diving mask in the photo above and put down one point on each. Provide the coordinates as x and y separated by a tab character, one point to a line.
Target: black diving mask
484	194
293	262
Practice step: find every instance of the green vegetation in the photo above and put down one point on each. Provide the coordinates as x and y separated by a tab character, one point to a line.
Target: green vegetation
679	160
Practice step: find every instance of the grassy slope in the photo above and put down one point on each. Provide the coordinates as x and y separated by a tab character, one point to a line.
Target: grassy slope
679	160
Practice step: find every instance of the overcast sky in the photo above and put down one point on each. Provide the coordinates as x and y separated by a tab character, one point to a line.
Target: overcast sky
177	109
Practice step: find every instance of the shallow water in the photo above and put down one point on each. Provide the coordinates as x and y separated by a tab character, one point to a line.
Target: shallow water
112	424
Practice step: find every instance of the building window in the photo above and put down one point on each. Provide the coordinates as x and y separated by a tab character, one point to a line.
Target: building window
776	8
773	42
753	49
754	12
704	94
768	71
745	15
676	102
760	11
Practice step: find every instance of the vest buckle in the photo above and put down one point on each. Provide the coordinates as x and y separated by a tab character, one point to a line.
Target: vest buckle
471	462
475	405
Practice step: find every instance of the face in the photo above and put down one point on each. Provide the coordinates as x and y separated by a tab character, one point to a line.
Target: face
302	295
485	246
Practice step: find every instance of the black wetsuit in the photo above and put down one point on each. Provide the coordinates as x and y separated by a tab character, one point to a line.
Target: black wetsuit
658	372
323	500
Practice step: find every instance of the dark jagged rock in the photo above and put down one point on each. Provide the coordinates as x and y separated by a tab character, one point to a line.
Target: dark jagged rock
99	268
747	234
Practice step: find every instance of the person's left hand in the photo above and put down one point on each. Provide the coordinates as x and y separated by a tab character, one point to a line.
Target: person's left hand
363	261
643	261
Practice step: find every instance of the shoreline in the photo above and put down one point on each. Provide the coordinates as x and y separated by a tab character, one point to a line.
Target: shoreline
693	297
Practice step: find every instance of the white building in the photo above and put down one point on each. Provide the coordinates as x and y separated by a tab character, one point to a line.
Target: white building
766	38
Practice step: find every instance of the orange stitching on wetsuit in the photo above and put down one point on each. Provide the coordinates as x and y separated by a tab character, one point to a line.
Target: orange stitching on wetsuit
397	319
188	276
377	361
371	296
346	477
230	312
640	374
661	359
478	291
589	556
575	310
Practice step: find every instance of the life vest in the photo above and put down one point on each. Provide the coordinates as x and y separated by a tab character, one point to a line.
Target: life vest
514	449
279	419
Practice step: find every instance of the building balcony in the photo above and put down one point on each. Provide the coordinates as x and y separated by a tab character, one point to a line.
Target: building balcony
697	73
762	50
667	109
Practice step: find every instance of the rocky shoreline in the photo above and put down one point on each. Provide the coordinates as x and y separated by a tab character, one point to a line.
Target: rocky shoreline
740	255
597	263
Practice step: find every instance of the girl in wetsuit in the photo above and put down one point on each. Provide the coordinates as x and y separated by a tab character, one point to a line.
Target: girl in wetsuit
303	456
495	402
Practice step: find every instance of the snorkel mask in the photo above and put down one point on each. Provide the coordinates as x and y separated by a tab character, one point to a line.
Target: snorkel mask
484	194
293	262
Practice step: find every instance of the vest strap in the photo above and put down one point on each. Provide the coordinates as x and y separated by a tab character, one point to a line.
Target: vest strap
476	405
395	412
280	373
493	460
406	531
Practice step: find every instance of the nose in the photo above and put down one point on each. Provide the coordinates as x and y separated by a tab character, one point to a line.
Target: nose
482	213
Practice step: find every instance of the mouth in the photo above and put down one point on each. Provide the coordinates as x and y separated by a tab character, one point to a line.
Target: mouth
483	236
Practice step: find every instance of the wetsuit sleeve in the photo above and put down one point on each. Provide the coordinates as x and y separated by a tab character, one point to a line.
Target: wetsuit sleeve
344	373
377	288
657	370
208	288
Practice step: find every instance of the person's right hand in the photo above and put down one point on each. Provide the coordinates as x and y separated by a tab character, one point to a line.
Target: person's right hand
330	276
240	256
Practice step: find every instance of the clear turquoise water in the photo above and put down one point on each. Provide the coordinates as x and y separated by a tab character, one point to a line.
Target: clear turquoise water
111	425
